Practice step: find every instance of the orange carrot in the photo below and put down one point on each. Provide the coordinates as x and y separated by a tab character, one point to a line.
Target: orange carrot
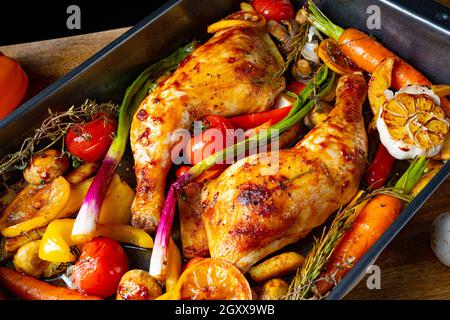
367	53
29	288
368	227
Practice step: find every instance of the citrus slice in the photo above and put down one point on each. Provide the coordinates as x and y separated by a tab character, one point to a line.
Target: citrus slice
332	56
210	279
412	123
35	207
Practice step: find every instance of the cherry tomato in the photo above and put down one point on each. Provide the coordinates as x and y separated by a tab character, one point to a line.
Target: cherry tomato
210	141
296	87
13	85
101	265
90	141
380	169
274	9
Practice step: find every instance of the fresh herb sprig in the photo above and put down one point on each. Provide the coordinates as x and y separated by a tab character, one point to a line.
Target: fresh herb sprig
51	132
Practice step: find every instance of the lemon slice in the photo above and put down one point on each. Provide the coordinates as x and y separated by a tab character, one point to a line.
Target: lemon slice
412	123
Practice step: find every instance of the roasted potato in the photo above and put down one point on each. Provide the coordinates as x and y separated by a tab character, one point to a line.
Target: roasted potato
82	172
27	261
138	285
45	167
277	266
273	289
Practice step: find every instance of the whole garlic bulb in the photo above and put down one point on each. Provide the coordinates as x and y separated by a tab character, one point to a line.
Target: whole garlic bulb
440	238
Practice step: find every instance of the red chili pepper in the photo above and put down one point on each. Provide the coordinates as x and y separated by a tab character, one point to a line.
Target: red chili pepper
379	170
254	120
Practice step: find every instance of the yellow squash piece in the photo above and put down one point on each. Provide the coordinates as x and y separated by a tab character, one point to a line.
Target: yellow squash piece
34	207
57	240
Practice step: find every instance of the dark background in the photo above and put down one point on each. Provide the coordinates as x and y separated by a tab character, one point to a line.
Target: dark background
25	21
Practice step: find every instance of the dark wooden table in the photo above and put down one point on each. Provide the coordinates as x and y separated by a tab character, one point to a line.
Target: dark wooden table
409	269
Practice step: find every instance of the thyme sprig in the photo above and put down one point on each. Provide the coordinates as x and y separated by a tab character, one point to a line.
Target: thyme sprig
52	131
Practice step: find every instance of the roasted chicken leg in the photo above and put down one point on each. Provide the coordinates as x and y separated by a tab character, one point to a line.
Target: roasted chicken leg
225	76
249	214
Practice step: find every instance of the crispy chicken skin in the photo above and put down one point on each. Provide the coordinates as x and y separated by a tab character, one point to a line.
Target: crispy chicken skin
225	76
249	214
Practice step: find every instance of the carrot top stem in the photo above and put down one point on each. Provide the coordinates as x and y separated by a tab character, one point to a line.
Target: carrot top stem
321	22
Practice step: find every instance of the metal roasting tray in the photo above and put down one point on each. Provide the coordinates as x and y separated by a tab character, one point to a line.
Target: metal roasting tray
418	31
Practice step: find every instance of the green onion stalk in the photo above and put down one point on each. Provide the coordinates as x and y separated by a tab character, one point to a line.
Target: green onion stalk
317	87
86	221
318	19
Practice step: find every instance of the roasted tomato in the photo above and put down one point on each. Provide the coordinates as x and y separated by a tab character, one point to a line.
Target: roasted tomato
215	138
274	9
90	141
101	265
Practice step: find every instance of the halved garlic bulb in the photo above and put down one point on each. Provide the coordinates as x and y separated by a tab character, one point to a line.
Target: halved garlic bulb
412	123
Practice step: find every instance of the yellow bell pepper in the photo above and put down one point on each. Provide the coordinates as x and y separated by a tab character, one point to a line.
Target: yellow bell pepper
116	207
57	240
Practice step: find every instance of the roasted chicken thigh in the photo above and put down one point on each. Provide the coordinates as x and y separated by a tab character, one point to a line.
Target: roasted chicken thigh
250	212
227	76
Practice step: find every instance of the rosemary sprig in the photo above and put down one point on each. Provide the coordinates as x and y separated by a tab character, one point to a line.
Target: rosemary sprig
53	130
303	284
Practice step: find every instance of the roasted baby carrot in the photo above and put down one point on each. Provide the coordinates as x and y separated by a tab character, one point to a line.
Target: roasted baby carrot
29	288
367	228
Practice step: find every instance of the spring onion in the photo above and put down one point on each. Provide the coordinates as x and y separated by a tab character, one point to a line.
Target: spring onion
86	221
317	87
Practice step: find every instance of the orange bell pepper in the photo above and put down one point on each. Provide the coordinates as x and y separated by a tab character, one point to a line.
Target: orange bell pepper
13	85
